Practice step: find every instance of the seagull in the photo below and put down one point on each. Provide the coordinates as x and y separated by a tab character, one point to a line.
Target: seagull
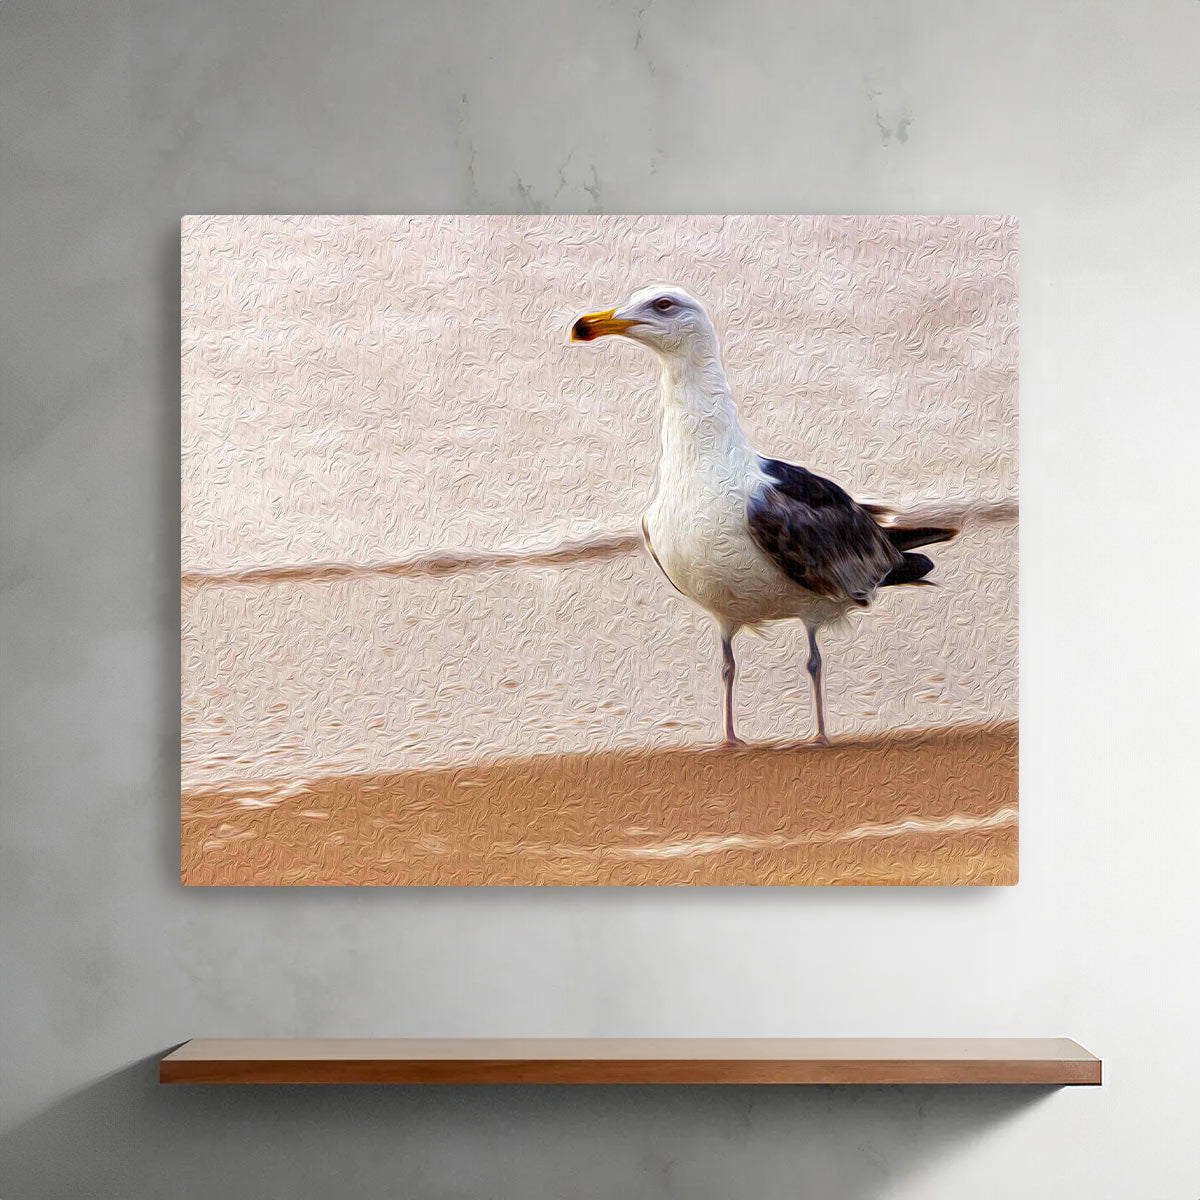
749	539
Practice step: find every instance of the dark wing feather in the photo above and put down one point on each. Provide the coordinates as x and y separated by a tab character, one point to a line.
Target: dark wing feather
912	569
817	535
905	538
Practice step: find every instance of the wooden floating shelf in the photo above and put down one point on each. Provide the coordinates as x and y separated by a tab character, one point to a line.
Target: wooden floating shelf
1046	1061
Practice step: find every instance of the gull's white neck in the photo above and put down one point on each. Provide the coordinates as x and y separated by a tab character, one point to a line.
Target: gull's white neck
700	426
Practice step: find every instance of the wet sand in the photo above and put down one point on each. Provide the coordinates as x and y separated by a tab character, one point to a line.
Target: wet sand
934	807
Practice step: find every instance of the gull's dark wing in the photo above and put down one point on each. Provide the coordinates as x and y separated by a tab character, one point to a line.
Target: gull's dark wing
817	535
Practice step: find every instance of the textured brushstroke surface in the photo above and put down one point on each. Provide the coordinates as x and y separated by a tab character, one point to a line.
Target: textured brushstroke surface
415	603
922	808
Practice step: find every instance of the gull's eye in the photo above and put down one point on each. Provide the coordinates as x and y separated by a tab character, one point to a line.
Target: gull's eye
664	305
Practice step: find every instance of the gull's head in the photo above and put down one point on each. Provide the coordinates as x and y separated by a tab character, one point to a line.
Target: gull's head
665	319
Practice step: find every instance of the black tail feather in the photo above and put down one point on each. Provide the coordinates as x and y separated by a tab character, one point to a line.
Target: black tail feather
909	539
912	569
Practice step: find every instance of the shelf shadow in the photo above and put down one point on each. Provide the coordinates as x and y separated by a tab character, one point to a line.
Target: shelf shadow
126	1136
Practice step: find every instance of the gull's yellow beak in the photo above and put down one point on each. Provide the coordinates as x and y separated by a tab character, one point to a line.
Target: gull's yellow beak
594	325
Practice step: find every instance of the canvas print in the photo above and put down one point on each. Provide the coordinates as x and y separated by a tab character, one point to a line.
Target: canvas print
599	550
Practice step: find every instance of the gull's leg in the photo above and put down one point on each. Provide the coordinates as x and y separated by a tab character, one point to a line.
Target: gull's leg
728	671
814	671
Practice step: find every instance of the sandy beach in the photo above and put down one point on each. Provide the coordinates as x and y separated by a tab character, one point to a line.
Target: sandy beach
910	808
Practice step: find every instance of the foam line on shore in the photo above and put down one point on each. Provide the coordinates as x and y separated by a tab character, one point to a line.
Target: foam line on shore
716	844
578	550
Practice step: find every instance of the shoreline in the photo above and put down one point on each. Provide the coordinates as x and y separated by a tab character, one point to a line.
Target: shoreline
915	807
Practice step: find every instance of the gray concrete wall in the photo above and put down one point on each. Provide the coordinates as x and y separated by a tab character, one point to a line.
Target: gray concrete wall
1081	119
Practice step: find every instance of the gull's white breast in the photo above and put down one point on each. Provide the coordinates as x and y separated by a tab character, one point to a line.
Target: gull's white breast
697	529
